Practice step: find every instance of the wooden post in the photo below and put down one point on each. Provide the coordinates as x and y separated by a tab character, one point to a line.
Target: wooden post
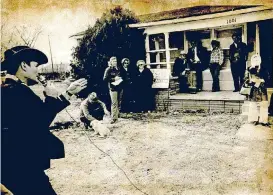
168	55
244	33
213	36
257	49
185	42
157	53
147	48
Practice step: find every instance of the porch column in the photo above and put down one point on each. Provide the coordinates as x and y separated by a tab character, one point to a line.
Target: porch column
147	48
167	47
257	49
212	34
157	53
244	33
185	42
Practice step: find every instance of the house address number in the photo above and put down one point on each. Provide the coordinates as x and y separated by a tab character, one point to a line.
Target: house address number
231	20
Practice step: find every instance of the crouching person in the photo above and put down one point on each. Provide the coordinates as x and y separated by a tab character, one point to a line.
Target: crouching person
92	109
27	144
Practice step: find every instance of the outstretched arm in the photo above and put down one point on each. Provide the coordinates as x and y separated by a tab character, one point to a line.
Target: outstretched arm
52	106
104	108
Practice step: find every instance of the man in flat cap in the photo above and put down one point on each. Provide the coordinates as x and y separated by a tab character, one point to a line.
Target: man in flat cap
27	144
179	70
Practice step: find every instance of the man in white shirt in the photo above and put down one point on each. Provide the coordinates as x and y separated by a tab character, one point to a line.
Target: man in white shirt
198	58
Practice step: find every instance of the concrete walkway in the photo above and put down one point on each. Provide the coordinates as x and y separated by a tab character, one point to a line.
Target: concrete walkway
260	146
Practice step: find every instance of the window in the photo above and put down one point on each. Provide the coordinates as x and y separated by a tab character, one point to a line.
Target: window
157	51
176	40
157	41
202	35
225	36
156	57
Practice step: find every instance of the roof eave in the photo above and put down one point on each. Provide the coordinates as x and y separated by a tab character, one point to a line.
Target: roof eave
215	15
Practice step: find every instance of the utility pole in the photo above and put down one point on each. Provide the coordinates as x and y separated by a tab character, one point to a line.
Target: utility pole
50	54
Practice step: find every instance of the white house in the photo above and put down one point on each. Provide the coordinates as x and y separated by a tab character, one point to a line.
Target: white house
167	34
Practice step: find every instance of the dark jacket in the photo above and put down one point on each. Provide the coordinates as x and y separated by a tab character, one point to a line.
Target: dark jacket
238	54
144	79
128	94
179	66
144	92
202	54
27	144
109	76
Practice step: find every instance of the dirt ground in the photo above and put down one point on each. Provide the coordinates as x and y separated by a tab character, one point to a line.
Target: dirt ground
166	154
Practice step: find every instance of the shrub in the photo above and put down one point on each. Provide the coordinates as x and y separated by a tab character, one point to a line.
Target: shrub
110	36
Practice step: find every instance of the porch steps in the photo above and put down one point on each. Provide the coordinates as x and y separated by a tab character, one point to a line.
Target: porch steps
223	101
226	80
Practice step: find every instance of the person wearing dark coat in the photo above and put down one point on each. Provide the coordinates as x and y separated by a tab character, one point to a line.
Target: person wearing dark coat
127	97
179	70
238	56
198	58
27	144
143	85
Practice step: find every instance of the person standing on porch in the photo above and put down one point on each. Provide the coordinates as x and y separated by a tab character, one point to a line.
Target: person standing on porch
238	57
112	75
198	59
216	60
179	70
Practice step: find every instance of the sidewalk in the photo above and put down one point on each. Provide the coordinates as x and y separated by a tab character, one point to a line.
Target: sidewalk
261	139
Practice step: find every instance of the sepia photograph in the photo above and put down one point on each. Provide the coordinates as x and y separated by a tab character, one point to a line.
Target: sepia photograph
136	97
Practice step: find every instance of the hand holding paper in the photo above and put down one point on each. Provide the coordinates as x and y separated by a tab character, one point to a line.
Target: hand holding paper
117	81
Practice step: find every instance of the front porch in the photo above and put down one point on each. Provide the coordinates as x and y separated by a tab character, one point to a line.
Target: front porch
205	101
223	101
225	80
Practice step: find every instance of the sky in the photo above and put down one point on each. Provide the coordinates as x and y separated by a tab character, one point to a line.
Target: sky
59	19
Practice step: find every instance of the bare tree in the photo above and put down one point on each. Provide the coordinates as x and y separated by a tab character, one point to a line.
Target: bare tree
12	35
28	35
